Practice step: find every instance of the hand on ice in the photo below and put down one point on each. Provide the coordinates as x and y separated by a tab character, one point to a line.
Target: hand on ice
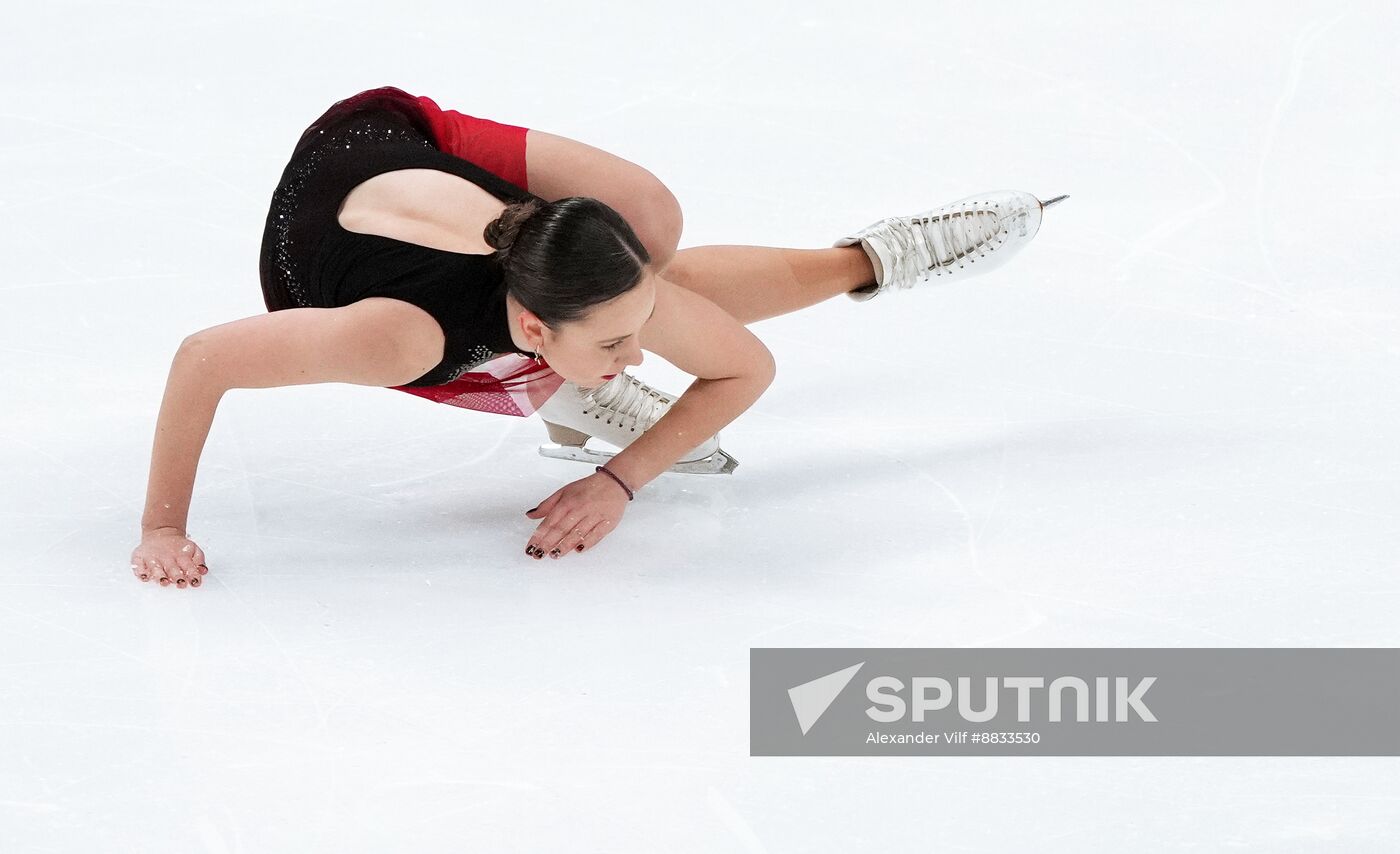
168	557
576	516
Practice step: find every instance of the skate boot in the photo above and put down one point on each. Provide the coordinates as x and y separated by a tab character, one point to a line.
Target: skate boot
952	242
617	412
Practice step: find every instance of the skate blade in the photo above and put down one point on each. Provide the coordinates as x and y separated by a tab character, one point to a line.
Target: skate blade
1053	201
717	463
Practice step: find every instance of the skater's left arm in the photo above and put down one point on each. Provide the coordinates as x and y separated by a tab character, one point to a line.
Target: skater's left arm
732	369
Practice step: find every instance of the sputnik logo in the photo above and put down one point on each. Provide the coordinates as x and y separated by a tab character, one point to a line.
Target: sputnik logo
810	700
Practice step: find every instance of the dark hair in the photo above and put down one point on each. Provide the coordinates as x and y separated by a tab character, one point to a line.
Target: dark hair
562	258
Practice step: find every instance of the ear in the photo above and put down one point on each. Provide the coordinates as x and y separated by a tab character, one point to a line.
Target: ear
530	324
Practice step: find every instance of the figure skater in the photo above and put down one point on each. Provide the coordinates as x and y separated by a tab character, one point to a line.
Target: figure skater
503	269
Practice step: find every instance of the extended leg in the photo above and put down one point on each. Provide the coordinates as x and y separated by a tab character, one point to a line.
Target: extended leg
758	282
949	243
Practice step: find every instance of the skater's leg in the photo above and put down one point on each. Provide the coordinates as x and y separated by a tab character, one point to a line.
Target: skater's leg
758	282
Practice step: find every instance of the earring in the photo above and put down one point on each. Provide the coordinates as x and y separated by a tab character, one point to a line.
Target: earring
537	357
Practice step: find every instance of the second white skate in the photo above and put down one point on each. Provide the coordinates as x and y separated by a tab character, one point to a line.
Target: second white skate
618	412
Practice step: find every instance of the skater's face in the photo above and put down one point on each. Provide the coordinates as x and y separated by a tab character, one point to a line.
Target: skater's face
590	350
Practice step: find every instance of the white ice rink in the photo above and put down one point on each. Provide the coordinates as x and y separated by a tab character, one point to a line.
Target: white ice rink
1171	421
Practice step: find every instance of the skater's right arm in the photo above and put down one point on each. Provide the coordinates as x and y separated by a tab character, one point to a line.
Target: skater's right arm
379	342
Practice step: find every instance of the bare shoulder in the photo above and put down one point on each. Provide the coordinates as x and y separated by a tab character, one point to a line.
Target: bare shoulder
420	338
702	339
375	341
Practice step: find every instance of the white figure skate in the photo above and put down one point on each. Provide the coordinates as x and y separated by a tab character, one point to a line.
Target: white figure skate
952	242
617	412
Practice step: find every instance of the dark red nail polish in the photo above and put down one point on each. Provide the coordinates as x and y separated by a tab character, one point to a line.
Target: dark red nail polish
579	548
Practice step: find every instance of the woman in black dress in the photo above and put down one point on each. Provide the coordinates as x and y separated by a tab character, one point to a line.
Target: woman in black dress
508	270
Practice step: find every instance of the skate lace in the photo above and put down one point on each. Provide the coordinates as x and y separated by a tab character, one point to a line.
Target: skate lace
924	244
625	397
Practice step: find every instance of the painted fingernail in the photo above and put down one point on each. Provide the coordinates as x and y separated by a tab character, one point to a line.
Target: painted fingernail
144	576
203	570
579	547
180	582
195	582
529	550
533	509
554	553
164	581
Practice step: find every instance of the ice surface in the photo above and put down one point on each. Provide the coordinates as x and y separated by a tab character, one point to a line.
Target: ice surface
1171	421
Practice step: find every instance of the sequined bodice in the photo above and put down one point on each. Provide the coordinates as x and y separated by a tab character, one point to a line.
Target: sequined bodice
308	260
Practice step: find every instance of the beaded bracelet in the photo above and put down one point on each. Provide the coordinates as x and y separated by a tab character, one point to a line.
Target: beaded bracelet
605	470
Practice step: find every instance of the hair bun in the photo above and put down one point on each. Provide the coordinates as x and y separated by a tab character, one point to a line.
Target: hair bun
501	232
